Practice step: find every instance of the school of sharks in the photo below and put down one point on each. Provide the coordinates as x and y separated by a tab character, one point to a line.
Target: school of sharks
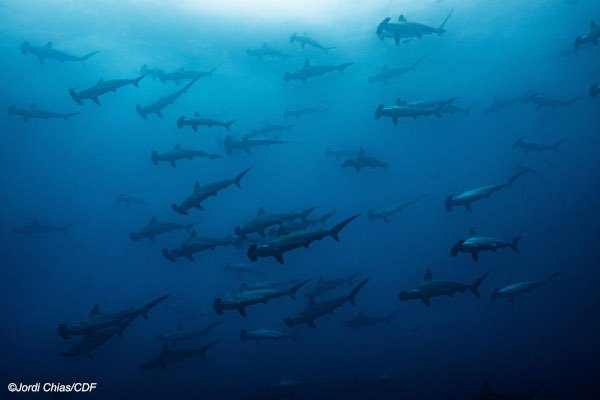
239	218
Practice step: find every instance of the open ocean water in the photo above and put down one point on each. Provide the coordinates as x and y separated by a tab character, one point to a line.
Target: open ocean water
176	176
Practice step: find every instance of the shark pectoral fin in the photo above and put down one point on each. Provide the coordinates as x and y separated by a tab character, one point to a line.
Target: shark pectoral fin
242	311
195	128
425	301
311	323
468	207
279	258
475	255
159	114
95	100
397	40
190	257
172	162
395	120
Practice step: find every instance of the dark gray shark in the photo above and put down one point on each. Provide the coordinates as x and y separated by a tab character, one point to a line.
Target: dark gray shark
129	199
259	335
528	146
269	128
299	111
307	40
35	113
310	71
202	193
403	110
516	289
155	228
169	356
434	288
449	108
36	228
315	310
296	225
326	285
542	101
183	75
196	121
363	321
47	51
195	244
247	298
475	244
266	51
98	320
591	37
364	161
468	197
276	247
181	335
160	104
96	339
403	29
180	154
390	73
102	87
247	143
386	213
263	221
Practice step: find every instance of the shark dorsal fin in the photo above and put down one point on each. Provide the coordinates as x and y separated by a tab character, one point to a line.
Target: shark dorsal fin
95	310
49	45
401	18
177	147
32	106
399	101
311	301
152	220
428	275
197	187
261	211
100	81
306	63
165	349
472	232
593	25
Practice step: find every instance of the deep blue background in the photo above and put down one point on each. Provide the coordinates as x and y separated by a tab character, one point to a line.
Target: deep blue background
70	172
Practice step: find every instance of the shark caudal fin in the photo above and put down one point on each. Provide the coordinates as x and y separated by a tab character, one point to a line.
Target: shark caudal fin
75	97
335	231
85	58
141	111
305	213
227	125
136	81
324	218
416	63
352	295
342	67
205	348
513	178
168	255
152	304
239	177
297	287
477	282
552	277
440	29
515	243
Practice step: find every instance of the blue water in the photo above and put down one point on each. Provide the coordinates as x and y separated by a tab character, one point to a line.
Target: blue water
69	172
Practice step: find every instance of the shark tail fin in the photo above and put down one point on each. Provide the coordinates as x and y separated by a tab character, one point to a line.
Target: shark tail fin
297	287
335	231
137	80
152	304
85	58
324	218
75	97
228	124
552	276
416	64
205	348
238	178
440	29
476	283
515	243
352	295
513	178
342	67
